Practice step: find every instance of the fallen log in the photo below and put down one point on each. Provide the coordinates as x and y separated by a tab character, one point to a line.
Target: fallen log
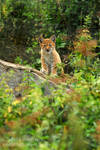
14	79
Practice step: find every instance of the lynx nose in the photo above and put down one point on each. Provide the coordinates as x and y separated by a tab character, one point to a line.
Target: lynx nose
47	50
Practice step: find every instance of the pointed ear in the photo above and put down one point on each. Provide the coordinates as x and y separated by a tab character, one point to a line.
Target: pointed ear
53	38
41	39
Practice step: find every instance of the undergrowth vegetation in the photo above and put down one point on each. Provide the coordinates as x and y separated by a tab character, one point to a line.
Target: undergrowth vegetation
67	119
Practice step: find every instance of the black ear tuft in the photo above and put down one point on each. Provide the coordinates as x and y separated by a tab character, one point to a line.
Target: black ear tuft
53	38
41	39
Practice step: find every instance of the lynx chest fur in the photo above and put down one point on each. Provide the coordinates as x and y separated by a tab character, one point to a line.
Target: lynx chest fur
49	56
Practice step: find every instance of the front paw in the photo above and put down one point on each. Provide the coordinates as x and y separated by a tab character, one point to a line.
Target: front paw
44	71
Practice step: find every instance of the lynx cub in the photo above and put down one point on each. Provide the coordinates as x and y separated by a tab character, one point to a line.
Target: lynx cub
49	56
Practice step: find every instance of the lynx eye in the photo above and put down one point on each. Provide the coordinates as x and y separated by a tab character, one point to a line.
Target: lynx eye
44	45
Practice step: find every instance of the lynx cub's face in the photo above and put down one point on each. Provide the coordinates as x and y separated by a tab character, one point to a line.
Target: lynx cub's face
47	45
